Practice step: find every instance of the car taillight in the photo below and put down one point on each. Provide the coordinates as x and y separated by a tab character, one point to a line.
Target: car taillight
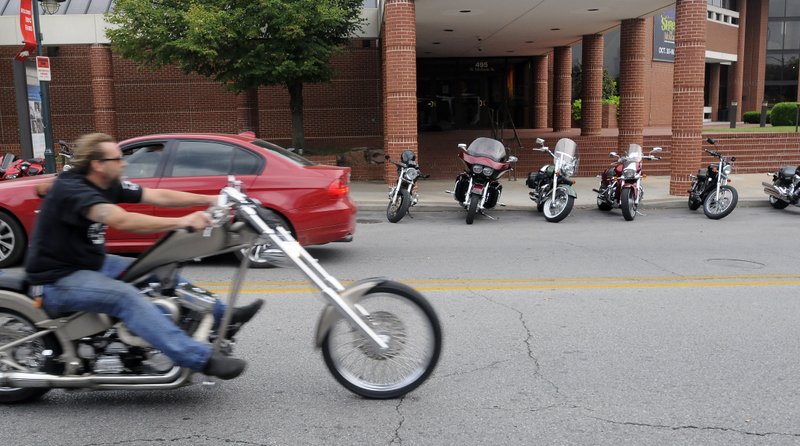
339	188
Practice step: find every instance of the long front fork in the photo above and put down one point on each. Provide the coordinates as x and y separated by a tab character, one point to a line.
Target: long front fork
328	285
396	189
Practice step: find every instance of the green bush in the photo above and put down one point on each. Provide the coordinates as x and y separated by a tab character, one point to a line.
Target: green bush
784	113
752	117
576	110
611	100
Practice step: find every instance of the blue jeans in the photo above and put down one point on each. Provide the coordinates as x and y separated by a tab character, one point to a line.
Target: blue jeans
100	292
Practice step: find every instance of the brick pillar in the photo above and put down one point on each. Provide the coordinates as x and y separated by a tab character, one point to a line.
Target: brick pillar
562	89
102	82
687	93
400	81
713	90
592	85
631	83
540	94
247	111
550	88
736	81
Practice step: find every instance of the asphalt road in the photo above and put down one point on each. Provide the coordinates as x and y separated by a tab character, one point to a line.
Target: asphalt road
671	329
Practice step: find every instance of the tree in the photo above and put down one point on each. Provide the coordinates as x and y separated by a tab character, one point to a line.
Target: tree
243	44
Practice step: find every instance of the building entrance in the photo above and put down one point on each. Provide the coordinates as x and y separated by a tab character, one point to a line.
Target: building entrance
473	93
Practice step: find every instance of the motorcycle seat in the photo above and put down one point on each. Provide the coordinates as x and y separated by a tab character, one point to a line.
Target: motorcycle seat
15	281
787	172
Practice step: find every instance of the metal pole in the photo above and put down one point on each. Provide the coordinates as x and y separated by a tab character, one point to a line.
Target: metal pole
49	159
23	114
764	106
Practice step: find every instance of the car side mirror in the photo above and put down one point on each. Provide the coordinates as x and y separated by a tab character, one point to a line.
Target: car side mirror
613	154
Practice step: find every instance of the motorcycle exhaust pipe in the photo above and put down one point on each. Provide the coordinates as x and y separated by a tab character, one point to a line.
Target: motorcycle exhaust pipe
174	377
770	190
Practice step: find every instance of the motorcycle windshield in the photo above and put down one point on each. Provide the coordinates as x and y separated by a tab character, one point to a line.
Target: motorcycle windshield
489	148
565	149
634	153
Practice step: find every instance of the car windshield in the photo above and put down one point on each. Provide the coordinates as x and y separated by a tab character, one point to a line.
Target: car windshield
490	148
283	152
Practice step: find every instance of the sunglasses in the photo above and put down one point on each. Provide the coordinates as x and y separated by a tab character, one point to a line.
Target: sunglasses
119	158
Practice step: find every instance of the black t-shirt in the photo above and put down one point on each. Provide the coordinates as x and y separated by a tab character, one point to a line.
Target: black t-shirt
64	240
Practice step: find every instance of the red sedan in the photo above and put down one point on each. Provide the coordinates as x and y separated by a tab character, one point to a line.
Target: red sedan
313	200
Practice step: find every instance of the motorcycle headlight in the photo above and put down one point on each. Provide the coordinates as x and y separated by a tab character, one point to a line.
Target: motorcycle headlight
727	170
628	174
568	170
411	174
12	176
477	169
488	171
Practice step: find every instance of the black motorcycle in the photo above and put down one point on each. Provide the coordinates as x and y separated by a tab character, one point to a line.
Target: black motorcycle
478	188
402	196
710	187
785	187
552	187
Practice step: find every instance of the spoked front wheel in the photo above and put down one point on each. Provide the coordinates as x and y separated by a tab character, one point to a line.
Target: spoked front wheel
406	321
558	209
716	207
398	207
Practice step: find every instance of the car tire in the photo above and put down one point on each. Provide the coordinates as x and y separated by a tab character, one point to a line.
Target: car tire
13	241
258	254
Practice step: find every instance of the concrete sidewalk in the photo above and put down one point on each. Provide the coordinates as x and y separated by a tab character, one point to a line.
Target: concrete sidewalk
374	196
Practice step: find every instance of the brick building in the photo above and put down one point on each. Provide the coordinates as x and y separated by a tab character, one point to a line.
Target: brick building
428	75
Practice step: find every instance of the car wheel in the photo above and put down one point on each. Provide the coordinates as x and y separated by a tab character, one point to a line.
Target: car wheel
12	241
266	255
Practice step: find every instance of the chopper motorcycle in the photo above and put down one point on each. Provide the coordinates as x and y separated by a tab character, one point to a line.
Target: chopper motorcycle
379	338
710	187
402	196
621	184
552	187
478	188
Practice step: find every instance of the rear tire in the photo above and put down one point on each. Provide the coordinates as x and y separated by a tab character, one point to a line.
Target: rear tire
628	204
561	208
407	322
14	326
398	208
777	203
716	208
474	199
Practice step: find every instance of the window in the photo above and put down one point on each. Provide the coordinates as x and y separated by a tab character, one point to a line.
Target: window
207	158
142	160
725	4
274	148
370	4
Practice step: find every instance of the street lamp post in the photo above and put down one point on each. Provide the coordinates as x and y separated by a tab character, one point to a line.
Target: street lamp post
51	7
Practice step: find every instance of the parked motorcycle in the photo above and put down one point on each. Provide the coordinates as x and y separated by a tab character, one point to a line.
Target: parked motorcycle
552	187
784	189
478	188
402	196
621	185
379	338
23	168
710	187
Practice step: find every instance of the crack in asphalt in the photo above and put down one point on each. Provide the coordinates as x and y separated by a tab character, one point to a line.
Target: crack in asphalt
397	439
658	266
169	440
691	427
477	369
537	367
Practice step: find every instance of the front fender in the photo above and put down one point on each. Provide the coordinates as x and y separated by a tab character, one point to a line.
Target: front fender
570	190
351	295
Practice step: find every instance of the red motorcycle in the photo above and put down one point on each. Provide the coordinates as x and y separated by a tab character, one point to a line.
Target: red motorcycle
621	185
478	188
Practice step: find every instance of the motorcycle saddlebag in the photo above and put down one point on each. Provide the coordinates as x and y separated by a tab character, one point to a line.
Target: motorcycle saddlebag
493	195
534	178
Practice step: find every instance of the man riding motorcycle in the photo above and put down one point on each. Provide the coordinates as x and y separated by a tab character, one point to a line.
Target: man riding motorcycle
67	255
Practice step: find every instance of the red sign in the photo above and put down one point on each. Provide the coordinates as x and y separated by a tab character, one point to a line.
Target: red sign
27	29
43	68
